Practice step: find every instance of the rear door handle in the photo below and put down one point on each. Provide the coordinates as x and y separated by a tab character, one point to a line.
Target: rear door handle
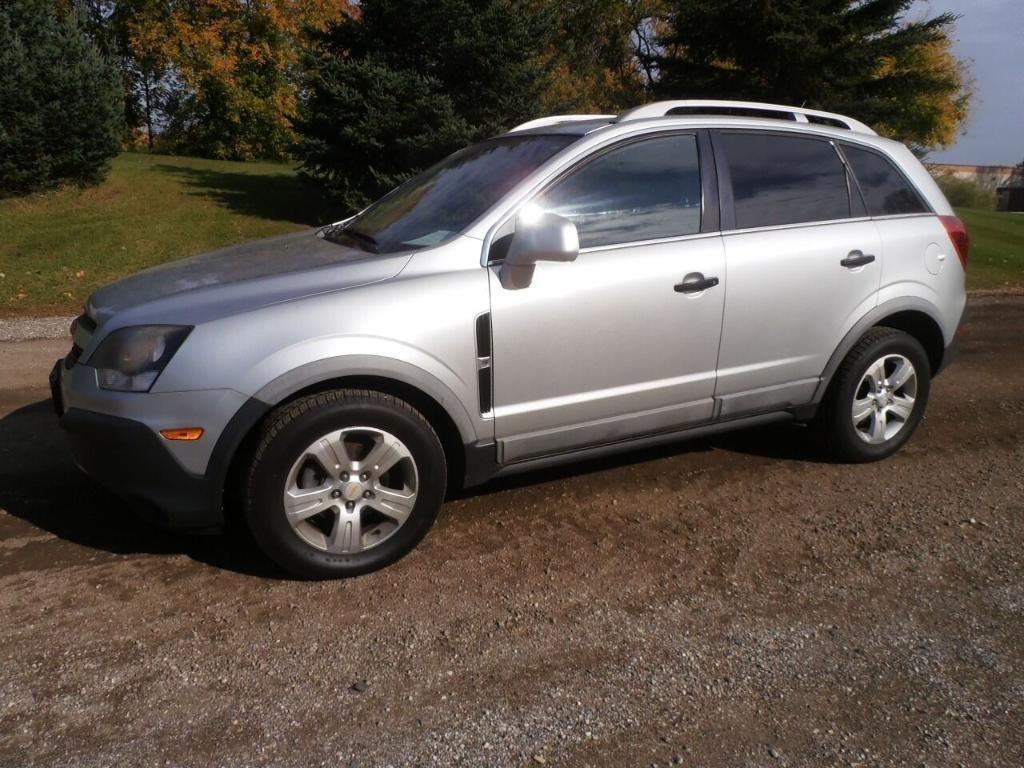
695	282
856	259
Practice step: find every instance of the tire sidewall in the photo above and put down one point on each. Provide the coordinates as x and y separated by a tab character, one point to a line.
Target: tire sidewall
265	510
850	446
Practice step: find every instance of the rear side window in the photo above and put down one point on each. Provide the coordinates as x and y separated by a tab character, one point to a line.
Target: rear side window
886	192
785	179
640	191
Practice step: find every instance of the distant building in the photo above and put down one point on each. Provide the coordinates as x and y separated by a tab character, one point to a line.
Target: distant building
1007	181
991	176
1010	198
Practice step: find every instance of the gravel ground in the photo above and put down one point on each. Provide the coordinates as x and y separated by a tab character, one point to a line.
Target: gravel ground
28	328
726	602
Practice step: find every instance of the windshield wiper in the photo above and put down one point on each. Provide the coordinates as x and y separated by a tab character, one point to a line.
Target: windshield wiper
371	245
366	242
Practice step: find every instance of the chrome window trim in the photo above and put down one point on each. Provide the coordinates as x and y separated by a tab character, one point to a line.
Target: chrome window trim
797	225
922	215
641	243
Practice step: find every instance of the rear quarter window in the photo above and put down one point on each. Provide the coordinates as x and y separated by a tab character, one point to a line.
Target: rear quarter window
886	192
780	179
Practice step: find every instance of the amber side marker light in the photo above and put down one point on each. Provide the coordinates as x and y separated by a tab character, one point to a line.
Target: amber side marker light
187	433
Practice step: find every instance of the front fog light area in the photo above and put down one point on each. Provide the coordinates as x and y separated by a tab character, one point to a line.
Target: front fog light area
108	378
130	359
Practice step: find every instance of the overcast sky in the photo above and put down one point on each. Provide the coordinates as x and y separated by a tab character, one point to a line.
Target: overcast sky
990	35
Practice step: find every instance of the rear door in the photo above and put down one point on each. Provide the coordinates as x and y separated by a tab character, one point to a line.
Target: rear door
803	264
614	345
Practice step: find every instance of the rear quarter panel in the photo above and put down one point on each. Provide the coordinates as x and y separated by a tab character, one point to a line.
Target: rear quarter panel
919	262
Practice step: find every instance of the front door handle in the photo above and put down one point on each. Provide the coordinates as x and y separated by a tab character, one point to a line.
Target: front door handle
695	282
856	259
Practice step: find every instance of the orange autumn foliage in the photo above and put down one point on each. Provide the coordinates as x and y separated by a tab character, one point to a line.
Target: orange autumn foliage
233	68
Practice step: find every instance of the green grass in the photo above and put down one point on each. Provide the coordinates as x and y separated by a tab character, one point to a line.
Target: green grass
996	259
57	247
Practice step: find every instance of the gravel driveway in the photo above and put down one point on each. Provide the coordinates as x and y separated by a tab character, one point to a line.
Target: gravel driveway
726	602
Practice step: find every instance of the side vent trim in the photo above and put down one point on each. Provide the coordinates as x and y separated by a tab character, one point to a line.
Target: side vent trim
483	362
483	377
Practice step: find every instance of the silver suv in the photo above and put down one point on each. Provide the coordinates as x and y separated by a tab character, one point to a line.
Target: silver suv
580	285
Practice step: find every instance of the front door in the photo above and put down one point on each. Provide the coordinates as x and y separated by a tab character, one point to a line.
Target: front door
618	343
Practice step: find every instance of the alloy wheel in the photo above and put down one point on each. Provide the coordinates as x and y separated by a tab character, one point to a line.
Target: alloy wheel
884	399
350	490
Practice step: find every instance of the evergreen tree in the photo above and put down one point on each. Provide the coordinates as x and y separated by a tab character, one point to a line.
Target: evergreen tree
402	83
859	57
61	111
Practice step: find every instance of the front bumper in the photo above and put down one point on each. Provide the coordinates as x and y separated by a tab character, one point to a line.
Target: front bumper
128	458
114	438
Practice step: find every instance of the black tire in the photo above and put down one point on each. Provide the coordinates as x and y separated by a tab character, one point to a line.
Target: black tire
839	431
283	438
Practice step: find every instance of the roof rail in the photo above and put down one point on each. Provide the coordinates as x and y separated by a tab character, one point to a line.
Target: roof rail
541	122
743	109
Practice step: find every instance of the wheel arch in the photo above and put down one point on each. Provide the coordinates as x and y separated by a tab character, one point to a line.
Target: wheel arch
439	418
917	318
922	327
452	425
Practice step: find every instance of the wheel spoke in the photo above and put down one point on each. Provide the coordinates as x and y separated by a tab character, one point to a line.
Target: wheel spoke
385	453
903	373
876	374
326	455
878	427
347	533
902	406
395	504
862	409
302	503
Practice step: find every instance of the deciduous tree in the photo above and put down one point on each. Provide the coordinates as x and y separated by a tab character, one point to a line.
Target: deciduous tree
217	78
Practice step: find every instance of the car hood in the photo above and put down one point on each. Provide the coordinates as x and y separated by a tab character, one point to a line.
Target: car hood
240	278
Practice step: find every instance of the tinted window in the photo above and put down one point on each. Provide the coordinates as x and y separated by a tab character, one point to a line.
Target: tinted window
785	179
885	190
446	198
640	191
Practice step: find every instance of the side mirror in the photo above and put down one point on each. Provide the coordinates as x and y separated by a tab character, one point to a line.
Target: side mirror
538	237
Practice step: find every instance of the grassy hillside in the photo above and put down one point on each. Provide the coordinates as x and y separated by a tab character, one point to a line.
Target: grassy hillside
55	248
997	249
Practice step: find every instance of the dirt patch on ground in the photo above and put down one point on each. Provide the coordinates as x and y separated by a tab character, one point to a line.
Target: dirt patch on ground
728	602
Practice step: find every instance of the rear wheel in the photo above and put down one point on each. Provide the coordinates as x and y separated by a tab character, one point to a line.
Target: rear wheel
343	482
877	397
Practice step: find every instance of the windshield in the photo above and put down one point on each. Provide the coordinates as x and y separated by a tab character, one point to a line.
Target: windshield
446	198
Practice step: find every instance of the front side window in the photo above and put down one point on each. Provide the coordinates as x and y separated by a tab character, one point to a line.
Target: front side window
886	192
643	190
780	180
441	202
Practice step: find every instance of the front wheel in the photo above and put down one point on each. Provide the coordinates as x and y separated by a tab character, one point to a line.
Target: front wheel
877	397
343	482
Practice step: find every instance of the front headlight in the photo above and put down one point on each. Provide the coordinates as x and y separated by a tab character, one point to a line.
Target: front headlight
130	359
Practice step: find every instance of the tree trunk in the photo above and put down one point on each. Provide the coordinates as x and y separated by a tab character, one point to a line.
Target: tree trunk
149	111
